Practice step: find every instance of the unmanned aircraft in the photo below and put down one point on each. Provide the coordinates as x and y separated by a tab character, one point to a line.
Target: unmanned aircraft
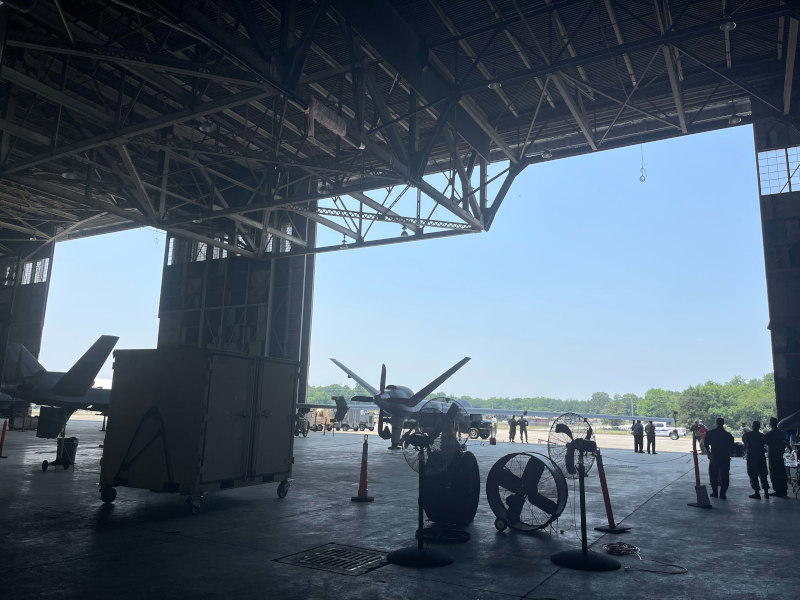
28	381
398	404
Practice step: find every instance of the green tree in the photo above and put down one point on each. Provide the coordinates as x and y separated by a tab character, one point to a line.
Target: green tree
659	403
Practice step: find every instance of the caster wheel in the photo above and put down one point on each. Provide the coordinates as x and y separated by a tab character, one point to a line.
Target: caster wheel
500	524
194	503
108	494
45	464
283	489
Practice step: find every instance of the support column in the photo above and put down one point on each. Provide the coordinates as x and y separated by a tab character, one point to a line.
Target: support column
778	152
262	307
24	287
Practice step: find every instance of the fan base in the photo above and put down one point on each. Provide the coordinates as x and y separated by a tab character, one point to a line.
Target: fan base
615	529
590	561
441	534
414	557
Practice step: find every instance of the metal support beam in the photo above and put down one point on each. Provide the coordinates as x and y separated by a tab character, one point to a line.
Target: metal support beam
791	53
157	62
141	192
384	29
565	94
111	137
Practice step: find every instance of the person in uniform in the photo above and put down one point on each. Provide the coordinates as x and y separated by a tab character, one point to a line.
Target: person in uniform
650	432
776	446
638	438
754	443
720	445
523	429
512	428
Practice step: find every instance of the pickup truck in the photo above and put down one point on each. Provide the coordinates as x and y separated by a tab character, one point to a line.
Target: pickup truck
665	429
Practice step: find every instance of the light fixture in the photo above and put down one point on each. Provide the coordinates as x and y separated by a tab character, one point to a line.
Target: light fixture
71	174
547	154
728	25
404	233
344	243
207	127
494	85
734	120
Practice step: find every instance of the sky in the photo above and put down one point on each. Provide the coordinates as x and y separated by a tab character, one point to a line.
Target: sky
589	280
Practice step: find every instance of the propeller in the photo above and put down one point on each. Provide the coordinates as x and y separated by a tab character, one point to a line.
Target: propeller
383	378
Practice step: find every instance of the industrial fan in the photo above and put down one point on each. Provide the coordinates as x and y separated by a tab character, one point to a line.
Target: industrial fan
564	431
430	446
571	447
450	490
526	491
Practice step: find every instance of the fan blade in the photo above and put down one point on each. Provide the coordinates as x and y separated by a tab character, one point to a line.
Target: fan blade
515	503
531	476
562	428
544	503
507	480
439	380
569	459
383	378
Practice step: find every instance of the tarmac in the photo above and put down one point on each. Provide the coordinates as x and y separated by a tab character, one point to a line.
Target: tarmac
58	539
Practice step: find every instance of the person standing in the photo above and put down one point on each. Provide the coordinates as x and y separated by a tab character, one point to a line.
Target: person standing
650	431
638	437
523	429
512	428
754	443
494	427
776	445
720	446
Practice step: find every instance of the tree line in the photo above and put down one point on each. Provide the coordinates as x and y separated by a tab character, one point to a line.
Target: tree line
736	401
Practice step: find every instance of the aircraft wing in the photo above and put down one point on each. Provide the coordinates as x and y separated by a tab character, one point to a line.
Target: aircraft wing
363	383
552	415
423	393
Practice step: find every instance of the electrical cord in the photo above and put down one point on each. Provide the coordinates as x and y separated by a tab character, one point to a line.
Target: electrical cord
625	549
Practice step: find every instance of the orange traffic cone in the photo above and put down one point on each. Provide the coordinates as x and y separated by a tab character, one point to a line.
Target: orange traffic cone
3	438
362	483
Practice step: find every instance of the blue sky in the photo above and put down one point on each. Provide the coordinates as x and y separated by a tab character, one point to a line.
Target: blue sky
589	280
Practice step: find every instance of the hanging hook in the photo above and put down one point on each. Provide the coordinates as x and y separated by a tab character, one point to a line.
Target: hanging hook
643	171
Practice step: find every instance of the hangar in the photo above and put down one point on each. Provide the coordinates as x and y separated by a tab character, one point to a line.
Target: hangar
252	131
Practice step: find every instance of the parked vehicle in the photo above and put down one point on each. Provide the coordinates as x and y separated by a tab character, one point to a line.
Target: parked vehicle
480	429
665	429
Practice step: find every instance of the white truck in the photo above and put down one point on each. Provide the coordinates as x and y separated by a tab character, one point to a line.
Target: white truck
666	429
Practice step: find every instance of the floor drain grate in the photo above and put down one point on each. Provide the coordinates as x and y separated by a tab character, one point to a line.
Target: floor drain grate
345	560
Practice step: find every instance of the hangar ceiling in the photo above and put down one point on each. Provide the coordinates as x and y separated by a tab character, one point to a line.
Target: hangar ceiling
225	122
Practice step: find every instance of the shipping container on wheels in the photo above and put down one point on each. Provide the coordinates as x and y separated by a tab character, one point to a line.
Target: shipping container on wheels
194	421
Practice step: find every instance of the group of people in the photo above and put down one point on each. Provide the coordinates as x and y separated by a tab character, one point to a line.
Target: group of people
513	423
763	453
639	433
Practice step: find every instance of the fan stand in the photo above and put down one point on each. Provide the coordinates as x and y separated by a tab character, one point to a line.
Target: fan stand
419	556
584	559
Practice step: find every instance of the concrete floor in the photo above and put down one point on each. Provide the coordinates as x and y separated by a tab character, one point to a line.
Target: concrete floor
57	539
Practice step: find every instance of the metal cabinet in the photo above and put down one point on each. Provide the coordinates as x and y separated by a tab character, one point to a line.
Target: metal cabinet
193	421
